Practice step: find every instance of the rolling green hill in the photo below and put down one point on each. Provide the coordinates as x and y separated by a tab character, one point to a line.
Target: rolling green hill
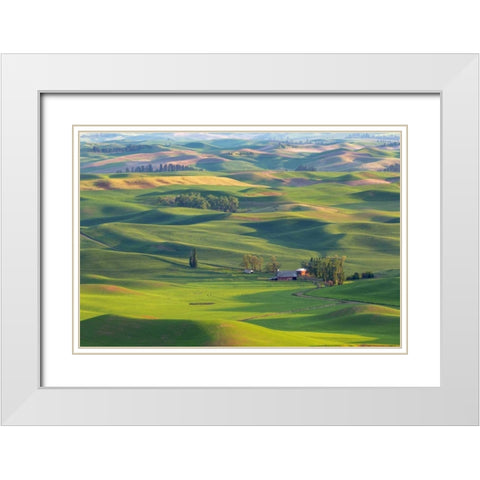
137	288
242	152
296	195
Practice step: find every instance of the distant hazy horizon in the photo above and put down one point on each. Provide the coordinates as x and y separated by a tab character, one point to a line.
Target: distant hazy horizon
140	136
217	150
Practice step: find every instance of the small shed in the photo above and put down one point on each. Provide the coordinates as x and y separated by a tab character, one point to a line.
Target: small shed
301	272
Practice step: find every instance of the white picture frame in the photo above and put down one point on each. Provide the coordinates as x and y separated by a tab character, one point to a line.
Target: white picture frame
26	77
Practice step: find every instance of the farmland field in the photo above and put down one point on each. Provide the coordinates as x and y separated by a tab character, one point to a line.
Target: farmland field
149	203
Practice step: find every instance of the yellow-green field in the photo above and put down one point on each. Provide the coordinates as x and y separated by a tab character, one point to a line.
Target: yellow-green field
137	288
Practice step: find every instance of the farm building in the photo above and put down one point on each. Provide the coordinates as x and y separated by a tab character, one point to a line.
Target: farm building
301	272
285	275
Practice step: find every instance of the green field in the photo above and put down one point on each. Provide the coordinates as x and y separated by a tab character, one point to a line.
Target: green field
137	288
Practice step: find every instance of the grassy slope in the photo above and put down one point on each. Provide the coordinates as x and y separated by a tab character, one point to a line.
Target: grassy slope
120	331
132	243
381	291
239	312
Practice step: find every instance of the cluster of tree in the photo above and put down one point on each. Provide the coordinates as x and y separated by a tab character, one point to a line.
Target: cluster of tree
328	269
173	167
113	148
389	144
193	259
239	153
357	276
163	167
319	141
255	263
359	135
223	203
305	168
392	168
272	266
252	262
140	168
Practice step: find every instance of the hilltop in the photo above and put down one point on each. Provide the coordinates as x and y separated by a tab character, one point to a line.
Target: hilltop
241	152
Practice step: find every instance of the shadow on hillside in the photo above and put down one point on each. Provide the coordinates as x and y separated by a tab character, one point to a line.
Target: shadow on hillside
307	234
116	331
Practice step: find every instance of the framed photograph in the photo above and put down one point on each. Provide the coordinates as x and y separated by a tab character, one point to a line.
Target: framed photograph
228	222
297	246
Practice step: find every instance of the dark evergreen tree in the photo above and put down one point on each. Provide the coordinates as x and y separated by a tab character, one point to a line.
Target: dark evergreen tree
193	260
